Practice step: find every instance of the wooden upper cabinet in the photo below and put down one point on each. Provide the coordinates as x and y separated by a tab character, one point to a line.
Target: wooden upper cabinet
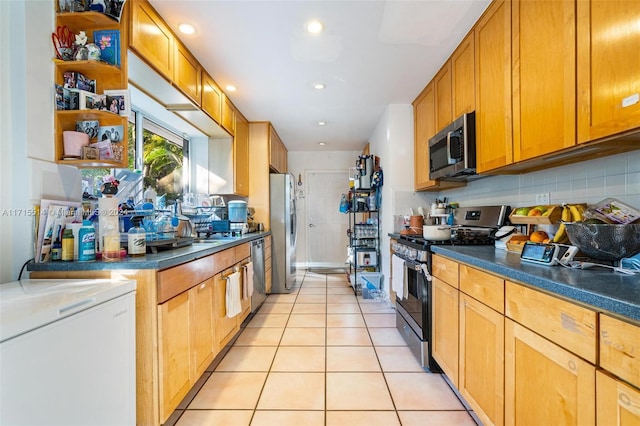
544	77
463	77
493	87
424	127
442	82
277	152
187	73
608	68
211	98
241	156
228	115
151	38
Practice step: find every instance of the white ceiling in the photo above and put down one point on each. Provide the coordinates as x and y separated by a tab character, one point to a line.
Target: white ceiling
371	54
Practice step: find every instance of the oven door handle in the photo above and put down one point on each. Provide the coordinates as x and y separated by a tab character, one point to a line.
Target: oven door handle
420	268
425	272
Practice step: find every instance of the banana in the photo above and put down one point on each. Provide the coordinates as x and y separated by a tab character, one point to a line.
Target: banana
576	212
561	236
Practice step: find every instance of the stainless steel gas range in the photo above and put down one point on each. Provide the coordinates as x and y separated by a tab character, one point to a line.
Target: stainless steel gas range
473	225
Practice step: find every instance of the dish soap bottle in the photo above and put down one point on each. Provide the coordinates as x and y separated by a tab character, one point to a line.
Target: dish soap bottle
86	242
136	239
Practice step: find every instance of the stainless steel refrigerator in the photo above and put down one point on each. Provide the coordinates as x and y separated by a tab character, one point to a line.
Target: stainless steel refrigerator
283	232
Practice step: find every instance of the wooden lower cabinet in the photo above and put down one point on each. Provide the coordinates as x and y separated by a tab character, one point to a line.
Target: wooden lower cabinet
203	331
174	352
225	326
445	329
544	383
619	344
481	374
617	404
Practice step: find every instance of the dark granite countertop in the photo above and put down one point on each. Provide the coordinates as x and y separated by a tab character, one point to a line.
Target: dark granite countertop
600	289
162	260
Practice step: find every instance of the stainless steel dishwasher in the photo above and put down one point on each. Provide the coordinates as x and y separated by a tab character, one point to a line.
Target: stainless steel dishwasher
257	258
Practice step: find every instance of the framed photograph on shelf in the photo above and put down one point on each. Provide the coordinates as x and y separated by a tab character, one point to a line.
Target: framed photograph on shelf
108	41
104	149
90	100
111	133
90	153
90	127
114	8
118	102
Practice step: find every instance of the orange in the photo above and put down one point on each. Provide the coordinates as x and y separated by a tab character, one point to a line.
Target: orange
535	212
538	236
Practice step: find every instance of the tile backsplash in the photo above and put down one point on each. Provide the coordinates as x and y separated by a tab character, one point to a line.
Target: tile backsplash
590	181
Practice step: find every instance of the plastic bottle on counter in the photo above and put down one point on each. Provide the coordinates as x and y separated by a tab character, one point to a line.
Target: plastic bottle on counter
86	242
136	239
56	247
110	243
67	244
150	196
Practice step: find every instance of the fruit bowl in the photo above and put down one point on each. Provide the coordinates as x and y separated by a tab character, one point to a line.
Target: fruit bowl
605	241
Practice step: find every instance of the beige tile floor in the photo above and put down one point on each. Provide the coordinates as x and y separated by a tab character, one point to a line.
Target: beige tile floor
321	356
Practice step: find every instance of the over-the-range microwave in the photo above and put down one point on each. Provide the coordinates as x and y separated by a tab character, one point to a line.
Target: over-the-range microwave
452	151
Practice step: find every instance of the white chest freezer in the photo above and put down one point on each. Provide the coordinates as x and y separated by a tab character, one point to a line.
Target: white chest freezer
67	352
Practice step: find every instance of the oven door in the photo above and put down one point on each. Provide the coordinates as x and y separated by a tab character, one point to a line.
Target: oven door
413	302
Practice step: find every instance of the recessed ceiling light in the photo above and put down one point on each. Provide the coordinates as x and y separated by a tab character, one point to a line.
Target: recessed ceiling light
319	86
322	123
315	27
322	143
186	28
230	87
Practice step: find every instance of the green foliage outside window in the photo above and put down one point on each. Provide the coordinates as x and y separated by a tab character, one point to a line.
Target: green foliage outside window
162	162
162	166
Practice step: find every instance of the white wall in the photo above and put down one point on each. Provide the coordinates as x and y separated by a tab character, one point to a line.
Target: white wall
392	141
28	172
300	162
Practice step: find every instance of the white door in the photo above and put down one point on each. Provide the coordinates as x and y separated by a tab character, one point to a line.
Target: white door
326	227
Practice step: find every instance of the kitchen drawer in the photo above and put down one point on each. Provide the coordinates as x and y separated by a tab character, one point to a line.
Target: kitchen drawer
243	251
620	349
224	259
566	324
445	269
483	287
174	281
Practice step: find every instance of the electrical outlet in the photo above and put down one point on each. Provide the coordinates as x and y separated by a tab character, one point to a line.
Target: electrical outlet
543	199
